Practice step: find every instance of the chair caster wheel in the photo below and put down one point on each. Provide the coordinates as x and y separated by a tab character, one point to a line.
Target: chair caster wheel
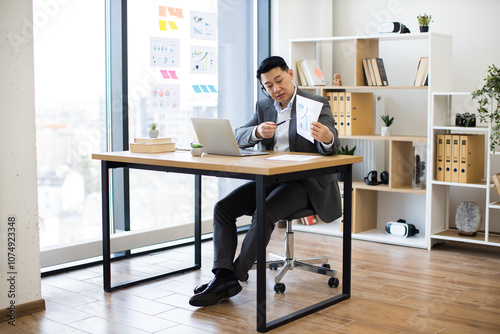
333	282
273	266
326	265
279	287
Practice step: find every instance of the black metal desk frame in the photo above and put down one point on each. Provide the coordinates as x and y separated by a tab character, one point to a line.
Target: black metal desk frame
261	182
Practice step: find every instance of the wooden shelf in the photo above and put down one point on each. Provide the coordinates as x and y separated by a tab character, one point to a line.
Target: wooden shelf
339	88
384	187
389	138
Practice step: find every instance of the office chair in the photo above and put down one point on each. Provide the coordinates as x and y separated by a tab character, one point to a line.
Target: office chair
289	262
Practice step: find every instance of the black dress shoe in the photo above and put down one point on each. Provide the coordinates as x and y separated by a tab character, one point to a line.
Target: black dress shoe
202	287
217	289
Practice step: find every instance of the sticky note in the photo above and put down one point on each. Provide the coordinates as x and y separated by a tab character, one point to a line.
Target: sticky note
175	12
164	73
163	25
173	75
318	72
204	88
162	11
212	88
172	25
196	89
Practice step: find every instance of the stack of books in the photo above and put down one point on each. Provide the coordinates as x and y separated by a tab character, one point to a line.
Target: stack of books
422	75
459	158
375	72
496	180
152	145
310	74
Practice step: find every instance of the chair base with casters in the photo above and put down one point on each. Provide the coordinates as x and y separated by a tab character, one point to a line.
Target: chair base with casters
289	262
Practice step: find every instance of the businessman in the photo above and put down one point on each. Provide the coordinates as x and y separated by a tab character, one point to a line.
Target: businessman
274	127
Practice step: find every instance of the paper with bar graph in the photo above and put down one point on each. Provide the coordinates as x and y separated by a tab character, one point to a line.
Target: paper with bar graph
307	111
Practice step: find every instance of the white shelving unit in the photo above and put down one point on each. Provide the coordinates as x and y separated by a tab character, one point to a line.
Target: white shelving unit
441	213
401	53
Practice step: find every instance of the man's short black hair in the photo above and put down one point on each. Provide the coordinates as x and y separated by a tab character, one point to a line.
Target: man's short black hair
270	63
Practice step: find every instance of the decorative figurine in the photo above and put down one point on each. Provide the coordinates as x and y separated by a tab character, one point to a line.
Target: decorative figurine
336	80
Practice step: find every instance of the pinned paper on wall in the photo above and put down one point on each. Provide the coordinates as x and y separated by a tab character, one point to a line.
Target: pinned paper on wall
163	25
204	89
164	74
175	12
173	75
172	25
162	11
165	52
164	98
203	60
203	25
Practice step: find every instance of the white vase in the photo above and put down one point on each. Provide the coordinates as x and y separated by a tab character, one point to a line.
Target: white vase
154	133
196	151
386	131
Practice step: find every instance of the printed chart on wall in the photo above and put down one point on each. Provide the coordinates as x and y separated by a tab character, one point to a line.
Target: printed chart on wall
203	25
164	98
203	60
165	52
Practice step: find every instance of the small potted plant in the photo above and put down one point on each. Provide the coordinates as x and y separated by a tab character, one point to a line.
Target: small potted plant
423	21
344	151
153	130
196	149
488	98
385	130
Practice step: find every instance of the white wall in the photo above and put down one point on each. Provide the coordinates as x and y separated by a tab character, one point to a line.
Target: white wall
18	179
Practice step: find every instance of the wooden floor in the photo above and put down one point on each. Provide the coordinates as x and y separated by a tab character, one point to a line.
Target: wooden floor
454	288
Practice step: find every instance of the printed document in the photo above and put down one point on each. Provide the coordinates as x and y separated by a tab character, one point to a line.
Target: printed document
307	111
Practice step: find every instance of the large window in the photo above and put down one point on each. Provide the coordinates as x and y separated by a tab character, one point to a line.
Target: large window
70	118
184	59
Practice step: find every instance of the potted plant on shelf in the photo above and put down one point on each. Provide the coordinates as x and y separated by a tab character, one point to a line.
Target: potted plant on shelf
344	151
385	131
153	130
489	112
196	149
423	21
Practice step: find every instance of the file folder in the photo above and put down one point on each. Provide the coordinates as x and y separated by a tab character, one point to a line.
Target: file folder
440	158
447	158
341	128
471	158
335	109
359	114
455	157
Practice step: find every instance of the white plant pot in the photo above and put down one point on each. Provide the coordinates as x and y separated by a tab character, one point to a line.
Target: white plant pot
196	151
154	133
386	131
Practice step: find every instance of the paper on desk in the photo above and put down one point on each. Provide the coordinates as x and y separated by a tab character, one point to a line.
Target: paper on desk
294	157
307	111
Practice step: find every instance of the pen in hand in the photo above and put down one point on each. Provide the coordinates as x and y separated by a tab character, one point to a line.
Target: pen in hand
286	120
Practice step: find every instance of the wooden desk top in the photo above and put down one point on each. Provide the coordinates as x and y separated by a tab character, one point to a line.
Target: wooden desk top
258	165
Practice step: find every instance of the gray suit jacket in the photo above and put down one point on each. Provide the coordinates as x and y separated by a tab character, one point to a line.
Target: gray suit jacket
323	191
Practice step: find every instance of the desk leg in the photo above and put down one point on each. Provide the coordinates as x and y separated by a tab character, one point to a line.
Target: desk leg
197	221
347	237
106	249
260	196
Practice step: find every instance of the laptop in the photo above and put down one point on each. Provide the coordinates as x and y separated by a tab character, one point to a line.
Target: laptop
217	137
